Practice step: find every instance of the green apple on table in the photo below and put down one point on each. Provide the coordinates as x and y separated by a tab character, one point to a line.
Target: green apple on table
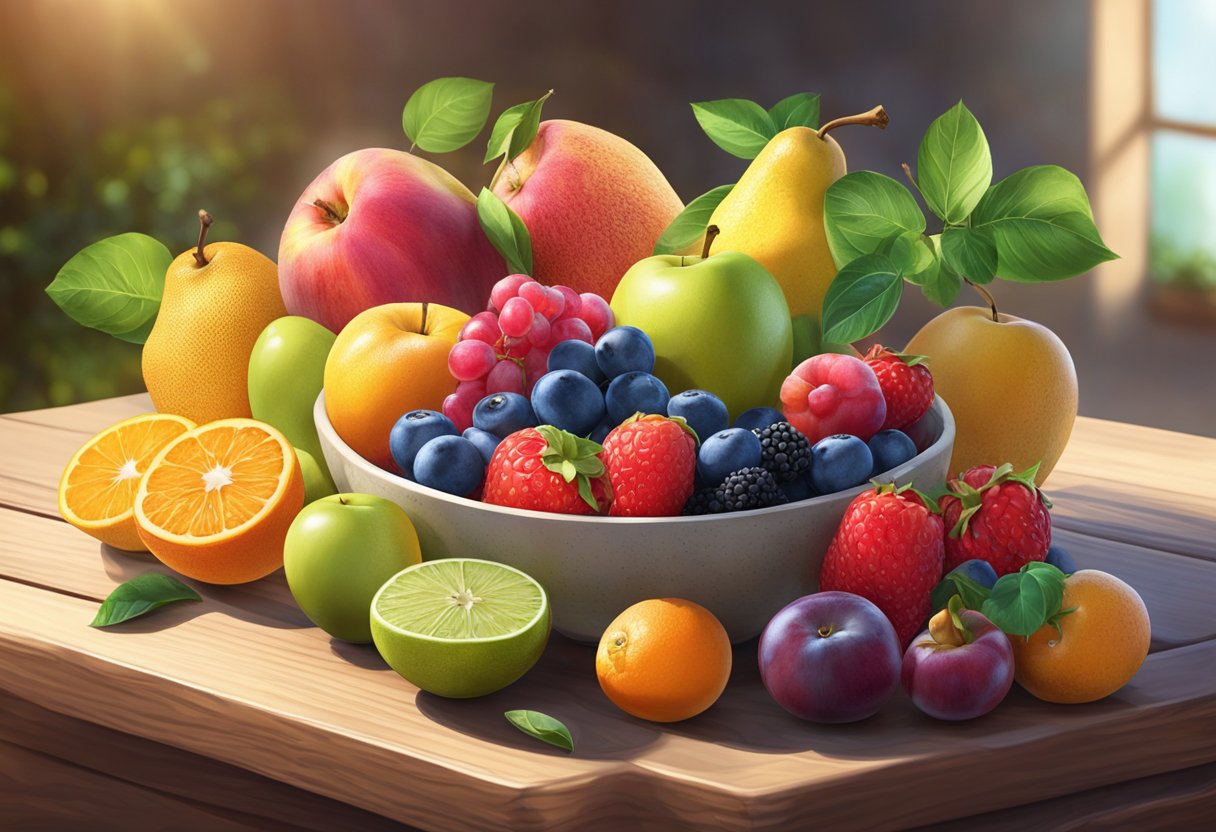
339	551
718	323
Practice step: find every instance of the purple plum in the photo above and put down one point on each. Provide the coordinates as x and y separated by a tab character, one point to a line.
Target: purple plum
958	673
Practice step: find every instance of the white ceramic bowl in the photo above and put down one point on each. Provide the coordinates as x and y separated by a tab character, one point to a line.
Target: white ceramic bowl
744	566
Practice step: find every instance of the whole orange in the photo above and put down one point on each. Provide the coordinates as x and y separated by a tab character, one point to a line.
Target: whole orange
1098	648
665	660
387	361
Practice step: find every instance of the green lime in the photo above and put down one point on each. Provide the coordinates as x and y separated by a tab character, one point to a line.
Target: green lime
460	627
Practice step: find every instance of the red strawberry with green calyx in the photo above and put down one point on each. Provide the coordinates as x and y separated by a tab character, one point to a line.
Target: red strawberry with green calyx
906	384
888	549
996	515
547	469
651	460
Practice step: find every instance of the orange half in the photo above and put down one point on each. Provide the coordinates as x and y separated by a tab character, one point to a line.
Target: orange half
216	502
97	489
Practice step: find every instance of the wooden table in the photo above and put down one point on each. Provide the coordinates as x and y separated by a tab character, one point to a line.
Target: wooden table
236	714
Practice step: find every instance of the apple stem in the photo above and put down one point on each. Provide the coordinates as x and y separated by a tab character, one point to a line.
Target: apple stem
987	296
710	233
422	326
331	212
204	222
876	117
341	499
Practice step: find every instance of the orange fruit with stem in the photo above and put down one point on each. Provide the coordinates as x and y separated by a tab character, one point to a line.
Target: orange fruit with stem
1098	647
216	502
664	660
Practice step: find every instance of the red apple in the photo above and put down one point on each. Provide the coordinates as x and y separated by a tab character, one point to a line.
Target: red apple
383	226
954	672
594	204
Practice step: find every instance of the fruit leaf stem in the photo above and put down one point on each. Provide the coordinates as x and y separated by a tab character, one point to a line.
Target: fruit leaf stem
987	296
876	117
710	233
204	222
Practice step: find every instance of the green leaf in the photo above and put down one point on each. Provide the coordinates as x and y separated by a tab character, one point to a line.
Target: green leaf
972	593
141	595
910	252
114	285
970	252
515	129
939	283
863	296
543	727
506	231
954	166
445	114
864	209
1040	220
799	110
740	127
689	225
1023	601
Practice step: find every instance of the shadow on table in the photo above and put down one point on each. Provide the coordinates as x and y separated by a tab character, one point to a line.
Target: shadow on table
363	656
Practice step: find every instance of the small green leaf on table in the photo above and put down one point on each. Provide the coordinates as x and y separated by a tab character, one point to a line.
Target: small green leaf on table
798	110
689	225
863	296
543	727
863	210
971	253
515	129
141	595
954	165
506	231
738	126
445	114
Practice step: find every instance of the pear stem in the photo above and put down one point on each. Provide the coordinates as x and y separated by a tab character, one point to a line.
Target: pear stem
710	233
876	117
204	222
987	296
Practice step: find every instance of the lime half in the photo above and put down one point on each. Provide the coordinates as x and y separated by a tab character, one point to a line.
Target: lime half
460	627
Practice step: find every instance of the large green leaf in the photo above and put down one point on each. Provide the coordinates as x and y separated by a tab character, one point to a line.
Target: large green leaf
954	166
863	296
1040	220
863	210
689	225
939	283
506	231
445	114
114	285
740	127
515	129
970	252
798	110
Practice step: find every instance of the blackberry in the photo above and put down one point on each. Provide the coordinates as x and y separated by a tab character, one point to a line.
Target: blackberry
705	501
751	488
784	451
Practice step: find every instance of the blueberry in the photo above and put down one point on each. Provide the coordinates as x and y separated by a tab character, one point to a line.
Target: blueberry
485	441
838	462
1060	559
725	452
504	413
978	570
705	413
411	432
578	356
601	431
758	418
635	392
624	349
798	489
451	464
569	400
890	448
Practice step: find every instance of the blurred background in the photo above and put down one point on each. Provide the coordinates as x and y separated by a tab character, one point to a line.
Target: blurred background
129	115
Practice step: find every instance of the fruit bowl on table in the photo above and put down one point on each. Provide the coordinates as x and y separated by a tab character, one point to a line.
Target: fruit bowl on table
743	566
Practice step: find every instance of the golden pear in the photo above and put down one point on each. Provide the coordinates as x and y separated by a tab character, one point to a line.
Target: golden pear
217	300
774	214
1010	383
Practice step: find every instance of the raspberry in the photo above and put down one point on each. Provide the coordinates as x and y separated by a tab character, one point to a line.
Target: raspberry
784	451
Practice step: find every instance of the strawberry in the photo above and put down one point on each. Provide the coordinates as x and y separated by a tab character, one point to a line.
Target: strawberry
651	461
996	515
547	469
888	549
906	384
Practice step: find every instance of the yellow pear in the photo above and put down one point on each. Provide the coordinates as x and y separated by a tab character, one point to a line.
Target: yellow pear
774	214
1010	383
217	300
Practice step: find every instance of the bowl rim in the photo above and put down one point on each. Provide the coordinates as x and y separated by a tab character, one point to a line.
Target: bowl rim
323	425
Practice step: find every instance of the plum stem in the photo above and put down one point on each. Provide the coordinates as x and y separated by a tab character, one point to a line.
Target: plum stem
204	222
824	630
987	296
876	117
710	233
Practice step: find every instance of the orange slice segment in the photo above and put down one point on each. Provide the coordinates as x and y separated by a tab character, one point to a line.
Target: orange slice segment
216	502
97	489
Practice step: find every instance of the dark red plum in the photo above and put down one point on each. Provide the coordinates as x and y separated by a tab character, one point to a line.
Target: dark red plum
954	679
830	657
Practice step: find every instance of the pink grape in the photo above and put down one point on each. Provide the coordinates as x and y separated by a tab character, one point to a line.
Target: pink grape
534	293
471	391
536	364
597	314
541	331
506	377
573	303
515	347
506	289
516	318
469	360
460	412
572	329
481	327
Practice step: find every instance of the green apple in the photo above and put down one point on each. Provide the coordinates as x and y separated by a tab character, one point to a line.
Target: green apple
286	369
317	482
719	323
339	551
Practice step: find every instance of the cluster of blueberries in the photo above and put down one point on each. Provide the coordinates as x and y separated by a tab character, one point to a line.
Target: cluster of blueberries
982	573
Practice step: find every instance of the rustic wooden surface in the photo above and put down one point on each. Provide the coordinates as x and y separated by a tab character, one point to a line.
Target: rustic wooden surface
236	713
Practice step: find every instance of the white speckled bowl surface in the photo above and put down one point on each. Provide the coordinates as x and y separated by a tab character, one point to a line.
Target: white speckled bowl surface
744	567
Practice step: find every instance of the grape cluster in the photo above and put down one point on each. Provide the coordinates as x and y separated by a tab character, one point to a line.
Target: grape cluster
505	349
